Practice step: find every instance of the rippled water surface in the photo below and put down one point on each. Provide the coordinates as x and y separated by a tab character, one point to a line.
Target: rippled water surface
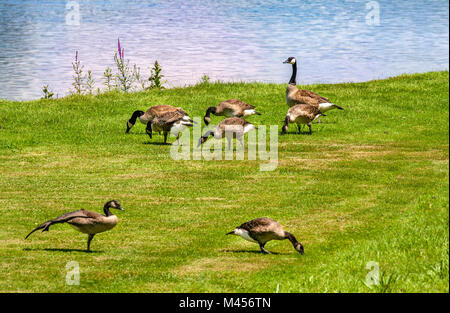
335	41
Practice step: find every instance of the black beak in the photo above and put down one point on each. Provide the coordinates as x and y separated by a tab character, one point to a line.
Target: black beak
286	61
121	209
199	142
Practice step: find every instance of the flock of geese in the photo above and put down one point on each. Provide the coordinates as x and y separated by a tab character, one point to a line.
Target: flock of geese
305	107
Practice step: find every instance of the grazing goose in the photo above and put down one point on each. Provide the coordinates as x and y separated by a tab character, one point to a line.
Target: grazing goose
228	127
150	114
300	96
261	230
174	122
87	222
230	108
301	114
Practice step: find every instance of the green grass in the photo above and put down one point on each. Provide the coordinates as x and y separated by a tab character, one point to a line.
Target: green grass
370	184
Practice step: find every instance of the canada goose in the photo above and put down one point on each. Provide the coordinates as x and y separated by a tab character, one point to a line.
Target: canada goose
150	114
301	114
230	108
228	127
263	229
174	122
300	96
87	222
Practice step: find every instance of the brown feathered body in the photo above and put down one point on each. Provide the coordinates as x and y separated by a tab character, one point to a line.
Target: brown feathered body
230	108
301	96
233	107
301	114
158	110
236	125
84	221
229	127
262	230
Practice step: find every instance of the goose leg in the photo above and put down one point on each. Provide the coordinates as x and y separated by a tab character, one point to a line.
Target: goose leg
310	128
165	137
229	143
90	236
264	251
242	144
299	128
148	129
261	245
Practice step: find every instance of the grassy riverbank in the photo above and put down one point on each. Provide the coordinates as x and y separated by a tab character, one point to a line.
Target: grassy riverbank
370	184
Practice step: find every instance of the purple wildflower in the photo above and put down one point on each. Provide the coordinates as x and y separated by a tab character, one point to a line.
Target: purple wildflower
76	56
118	47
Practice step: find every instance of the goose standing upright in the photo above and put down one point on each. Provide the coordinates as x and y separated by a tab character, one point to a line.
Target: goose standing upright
87	222
230	108
262	230
300	96
228	127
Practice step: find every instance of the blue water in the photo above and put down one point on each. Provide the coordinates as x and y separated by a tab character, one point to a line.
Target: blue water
227	40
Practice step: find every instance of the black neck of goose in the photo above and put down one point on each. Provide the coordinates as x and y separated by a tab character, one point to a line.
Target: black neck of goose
294	74
209	111
107	211
291	238
135	115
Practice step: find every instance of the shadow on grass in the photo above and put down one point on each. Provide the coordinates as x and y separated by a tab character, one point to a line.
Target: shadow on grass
157	143
254	252
62	250
297	133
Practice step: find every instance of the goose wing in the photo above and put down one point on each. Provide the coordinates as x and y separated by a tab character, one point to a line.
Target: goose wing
263	229
168	118
236	105
261	224
158	110
308	93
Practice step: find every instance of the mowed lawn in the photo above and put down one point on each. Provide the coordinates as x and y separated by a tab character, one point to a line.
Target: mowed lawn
370	185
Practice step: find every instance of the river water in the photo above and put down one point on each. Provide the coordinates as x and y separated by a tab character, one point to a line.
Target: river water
334	41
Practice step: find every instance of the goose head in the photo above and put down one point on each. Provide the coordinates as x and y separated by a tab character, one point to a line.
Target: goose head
202	140
113	204
299	248
290	60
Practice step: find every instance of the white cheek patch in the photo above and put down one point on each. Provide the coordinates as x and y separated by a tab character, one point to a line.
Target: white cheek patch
244	234
293	61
